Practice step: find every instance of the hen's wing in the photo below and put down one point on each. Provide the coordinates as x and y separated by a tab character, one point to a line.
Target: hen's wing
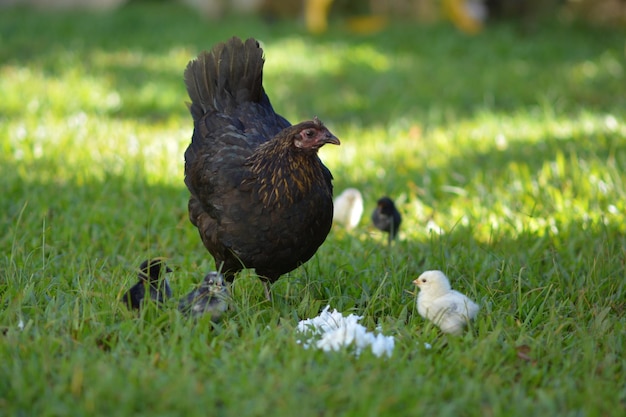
232	115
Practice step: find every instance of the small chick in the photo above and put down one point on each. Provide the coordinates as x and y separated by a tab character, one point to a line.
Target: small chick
348	208
438	302
386	217
211	297
149	275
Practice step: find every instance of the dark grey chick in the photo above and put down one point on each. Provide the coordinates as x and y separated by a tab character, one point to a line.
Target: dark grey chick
149	277
386	217
210	297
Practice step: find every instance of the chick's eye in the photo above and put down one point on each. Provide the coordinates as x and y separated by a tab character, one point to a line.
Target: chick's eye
423	279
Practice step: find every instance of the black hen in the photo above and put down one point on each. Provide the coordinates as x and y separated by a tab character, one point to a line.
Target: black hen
260	196
386	217
149	277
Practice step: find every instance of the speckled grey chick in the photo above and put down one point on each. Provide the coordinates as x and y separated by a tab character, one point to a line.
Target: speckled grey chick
210	297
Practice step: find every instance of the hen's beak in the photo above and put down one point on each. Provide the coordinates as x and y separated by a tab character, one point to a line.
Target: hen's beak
330	138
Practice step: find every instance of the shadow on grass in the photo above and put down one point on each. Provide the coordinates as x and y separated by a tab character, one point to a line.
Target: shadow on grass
49	221
429	74
407	75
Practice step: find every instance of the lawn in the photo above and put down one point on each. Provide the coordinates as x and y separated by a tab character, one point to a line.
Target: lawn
506	154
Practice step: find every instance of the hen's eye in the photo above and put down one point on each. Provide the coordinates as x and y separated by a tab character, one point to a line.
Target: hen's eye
309	133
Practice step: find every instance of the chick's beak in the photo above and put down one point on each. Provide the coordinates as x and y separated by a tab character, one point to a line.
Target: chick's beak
416	282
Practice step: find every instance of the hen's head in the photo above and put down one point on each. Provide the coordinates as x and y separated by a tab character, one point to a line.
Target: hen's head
312	135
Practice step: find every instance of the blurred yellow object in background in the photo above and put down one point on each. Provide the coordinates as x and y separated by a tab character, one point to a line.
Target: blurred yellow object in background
462	14
366	24
467	15
316	15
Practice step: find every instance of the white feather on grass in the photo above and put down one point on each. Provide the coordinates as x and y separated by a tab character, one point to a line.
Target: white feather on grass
331	331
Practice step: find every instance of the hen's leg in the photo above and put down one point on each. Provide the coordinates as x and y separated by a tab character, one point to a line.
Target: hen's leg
267	289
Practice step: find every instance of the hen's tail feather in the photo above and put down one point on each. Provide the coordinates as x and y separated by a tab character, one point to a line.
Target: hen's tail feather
231	74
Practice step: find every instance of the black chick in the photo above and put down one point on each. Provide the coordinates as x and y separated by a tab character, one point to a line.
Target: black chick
149	276
386	217
211	297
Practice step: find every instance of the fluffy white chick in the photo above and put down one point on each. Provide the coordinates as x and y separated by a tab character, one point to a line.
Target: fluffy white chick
348	208
437	301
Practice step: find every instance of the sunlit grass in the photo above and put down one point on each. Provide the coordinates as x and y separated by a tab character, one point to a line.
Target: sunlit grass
505	152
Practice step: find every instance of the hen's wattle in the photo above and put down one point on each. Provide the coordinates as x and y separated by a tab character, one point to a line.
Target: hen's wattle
260	196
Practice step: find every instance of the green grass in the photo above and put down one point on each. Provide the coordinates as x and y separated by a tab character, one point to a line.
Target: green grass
514	145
